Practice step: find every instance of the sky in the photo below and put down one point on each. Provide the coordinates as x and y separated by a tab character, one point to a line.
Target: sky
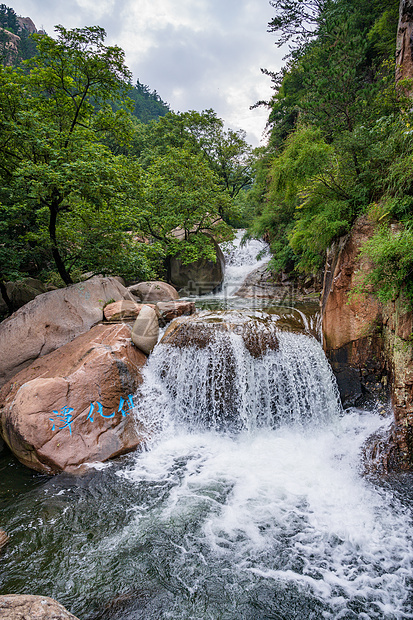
197	54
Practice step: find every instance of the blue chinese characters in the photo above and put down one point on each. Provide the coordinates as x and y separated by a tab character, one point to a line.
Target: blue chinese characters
65	417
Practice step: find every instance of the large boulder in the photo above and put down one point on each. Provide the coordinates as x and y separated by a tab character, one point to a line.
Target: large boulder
145	330
153	291
74	405
200	277
53	319
29	607
200	330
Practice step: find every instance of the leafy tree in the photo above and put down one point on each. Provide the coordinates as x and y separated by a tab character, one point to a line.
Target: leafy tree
226	153
334	145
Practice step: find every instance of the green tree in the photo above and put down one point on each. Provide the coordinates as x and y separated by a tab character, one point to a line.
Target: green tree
183	202
52	160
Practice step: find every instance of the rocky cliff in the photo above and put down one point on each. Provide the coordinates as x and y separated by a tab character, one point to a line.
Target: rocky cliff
369	346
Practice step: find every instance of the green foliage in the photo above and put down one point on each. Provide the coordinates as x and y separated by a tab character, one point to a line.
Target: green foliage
183	201
87	187
226	153
391	251
341	138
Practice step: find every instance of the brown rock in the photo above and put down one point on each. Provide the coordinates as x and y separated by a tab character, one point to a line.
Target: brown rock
119	310
153	291
404	45
145	330
53	319
170	310
201	276
125	310
66	408
347	318
28	607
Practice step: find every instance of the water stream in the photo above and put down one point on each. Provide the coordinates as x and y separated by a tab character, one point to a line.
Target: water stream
248	503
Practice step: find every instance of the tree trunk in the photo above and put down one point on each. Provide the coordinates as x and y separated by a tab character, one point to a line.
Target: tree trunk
404	46
64	274
5	296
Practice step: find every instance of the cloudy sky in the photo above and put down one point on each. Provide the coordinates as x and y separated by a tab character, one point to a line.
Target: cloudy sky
197	54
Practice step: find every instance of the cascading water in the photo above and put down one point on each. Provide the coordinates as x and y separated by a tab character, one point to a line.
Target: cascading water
228	383
247	504
240	260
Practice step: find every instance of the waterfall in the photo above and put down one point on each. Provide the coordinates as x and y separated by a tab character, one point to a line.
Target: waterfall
228	385
240	260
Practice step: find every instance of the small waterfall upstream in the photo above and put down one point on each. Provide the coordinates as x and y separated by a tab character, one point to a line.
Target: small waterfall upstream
247	502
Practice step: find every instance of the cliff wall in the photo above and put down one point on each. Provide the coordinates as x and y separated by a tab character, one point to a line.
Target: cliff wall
369	346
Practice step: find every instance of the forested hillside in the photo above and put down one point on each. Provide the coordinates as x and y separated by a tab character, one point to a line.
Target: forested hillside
17	44
340	139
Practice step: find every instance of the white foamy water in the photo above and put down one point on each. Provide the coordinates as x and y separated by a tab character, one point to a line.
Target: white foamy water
281	510
277	511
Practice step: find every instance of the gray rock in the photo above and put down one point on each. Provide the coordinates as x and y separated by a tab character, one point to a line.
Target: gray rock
200	277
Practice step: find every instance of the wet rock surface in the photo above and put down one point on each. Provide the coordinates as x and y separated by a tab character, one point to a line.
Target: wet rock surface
27	607
261	284
72	406
170	310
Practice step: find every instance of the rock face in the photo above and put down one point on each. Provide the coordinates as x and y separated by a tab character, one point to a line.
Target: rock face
200	277
368	345
53	319
74	405
352	324
153	291
145	330
9	46
404	45
22	292
27	607
259	284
